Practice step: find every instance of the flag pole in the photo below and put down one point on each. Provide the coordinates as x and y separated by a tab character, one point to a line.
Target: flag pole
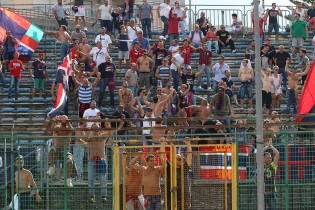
259	113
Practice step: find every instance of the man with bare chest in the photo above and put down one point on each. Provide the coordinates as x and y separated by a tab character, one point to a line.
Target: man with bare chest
246	76
85	48
267	82
293	86
63	36
151	178
61	143
97	158
204	110
158	105
125	97
144	70
23	181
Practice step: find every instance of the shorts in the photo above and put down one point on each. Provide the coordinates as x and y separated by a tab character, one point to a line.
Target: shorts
246	89
80	12
272	26
59	154
108	24
39	83
123	54
297	42
266	99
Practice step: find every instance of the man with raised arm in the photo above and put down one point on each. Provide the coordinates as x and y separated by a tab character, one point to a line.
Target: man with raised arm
270	172
64	128
96	143
293	86
151	178
204	109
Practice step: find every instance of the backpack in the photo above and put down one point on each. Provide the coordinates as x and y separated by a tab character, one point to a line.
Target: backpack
193	33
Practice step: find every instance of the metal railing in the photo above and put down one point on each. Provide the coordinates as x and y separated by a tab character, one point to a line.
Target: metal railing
294	178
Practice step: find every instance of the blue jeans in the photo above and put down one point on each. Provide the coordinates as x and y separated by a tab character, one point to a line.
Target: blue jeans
225	122
2	80
196	45
146	26
104	82
78	153
91	179
207	72
182	26
175	79
154	202
246	89
173	36
291	101
165	21
16	82
284	78
115	32
270	201
215	43
273	26
63	50
134	90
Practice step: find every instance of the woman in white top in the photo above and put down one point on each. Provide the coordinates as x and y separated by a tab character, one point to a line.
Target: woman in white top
276	94
301	11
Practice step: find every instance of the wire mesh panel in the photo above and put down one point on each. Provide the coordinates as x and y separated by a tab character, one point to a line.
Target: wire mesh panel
143	181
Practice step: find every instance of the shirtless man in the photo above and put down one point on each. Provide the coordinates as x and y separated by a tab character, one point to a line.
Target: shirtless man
293	86
97	157
167	90
126	97
158	105
62	129
144	70
267	82
158	130
85	48
23	180
133	186
276	120
63	36
151	178
246	76
204	110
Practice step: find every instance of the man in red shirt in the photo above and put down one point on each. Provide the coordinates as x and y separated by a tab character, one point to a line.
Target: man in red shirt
189	50
205	57
261	31
15	67
135	53
173	22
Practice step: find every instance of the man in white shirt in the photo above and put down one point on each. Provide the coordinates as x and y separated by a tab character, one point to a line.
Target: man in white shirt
99	53
132	29
174	48
163	12
91	113
148	124
106	17
176	66
104	39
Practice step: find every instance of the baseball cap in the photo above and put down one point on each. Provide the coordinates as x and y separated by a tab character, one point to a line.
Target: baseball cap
162	37
120	108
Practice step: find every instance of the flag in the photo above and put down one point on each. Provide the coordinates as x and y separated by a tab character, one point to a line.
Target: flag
27	35
307	99
62	87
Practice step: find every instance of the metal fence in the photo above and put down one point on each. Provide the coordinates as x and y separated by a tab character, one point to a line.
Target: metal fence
192	177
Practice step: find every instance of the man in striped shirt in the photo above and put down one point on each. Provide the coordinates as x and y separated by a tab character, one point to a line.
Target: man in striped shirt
205	57
85	90
163	73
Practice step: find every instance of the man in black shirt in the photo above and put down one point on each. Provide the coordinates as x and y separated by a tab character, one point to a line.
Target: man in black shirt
203	23
271	52
273	21
118	20
159	54
108	74
311	12
225	39
280	59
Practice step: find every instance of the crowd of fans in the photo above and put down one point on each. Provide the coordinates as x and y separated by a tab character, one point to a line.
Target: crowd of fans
159	81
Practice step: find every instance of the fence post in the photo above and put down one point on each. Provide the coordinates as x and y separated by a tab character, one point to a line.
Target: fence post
234	176
222	16
173	179
65	167
286	166
116	178
5	171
